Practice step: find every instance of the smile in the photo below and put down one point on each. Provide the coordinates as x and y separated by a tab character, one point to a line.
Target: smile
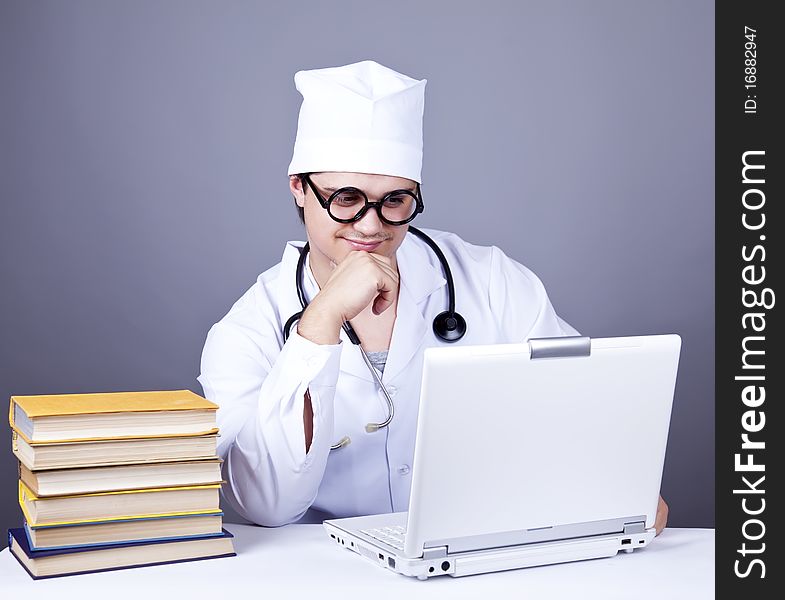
367	246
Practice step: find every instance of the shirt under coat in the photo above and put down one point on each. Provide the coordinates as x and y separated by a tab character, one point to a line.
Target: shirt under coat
259	381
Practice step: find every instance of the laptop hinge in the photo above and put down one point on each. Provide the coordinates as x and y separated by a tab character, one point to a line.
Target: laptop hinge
635	527
560	347
435	552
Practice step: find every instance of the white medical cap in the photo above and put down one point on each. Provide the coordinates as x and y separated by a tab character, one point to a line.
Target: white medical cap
362	118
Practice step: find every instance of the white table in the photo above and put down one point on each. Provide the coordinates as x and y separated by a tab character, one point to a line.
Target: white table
301	561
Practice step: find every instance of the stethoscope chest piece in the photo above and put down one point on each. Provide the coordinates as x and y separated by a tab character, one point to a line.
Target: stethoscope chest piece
449	326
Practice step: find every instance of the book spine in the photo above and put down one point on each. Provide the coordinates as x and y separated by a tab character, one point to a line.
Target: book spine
11	413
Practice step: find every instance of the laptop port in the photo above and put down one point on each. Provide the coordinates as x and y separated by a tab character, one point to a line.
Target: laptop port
626	541
391	562
381	556
445	565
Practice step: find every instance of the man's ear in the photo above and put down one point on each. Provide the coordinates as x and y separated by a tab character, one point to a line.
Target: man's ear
296	187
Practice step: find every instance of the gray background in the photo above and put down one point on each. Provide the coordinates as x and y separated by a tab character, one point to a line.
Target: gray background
143	156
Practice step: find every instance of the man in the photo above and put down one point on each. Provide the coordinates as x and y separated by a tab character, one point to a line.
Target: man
307	429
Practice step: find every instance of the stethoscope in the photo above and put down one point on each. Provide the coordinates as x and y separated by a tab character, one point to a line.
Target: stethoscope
449	326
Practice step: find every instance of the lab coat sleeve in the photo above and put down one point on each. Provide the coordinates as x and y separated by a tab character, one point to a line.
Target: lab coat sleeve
520	303
270	479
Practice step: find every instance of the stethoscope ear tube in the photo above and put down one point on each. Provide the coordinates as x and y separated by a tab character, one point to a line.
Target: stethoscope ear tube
451	326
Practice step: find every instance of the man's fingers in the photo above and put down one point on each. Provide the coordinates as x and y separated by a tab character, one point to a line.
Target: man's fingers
384	299
380	304
362	278
385	264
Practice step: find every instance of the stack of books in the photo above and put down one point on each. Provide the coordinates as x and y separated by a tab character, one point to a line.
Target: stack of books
116	480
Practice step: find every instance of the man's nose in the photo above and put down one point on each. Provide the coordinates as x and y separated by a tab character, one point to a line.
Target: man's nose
370	223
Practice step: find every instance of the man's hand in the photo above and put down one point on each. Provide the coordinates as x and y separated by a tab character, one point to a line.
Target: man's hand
362	279
662	516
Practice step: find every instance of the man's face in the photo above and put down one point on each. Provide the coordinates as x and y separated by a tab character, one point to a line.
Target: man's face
331	241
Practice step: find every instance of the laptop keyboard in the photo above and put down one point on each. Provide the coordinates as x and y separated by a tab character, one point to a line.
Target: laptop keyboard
393	536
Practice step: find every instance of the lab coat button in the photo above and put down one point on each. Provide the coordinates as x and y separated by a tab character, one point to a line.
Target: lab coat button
392	390
403	470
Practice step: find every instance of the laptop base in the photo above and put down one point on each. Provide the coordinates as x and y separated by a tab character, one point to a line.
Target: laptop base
488	561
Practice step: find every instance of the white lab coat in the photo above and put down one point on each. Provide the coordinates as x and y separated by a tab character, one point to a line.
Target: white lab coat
259	381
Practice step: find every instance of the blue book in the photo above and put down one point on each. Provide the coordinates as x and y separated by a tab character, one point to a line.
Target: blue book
39	563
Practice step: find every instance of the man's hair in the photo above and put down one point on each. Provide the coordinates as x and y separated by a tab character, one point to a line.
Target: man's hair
300	210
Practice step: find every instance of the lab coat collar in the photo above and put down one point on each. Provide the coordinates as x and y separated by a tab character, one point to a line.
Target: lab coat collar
419	279
419	275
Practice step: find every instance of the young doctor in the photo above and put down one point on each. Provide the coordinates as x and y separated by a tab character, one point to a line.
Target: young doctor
316	368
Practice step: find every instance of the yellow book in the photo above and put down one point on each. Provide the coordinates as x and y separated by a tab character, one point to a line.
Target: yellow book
124	451
121	505
116	478
134	530
62	418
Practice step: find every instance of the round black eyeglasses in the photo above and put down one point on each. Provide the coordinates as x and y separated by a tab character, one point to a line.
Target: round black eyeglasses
349	204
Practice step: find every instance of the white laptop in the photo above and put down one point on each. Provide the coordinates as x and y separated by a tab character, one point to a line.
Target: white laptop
529	454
